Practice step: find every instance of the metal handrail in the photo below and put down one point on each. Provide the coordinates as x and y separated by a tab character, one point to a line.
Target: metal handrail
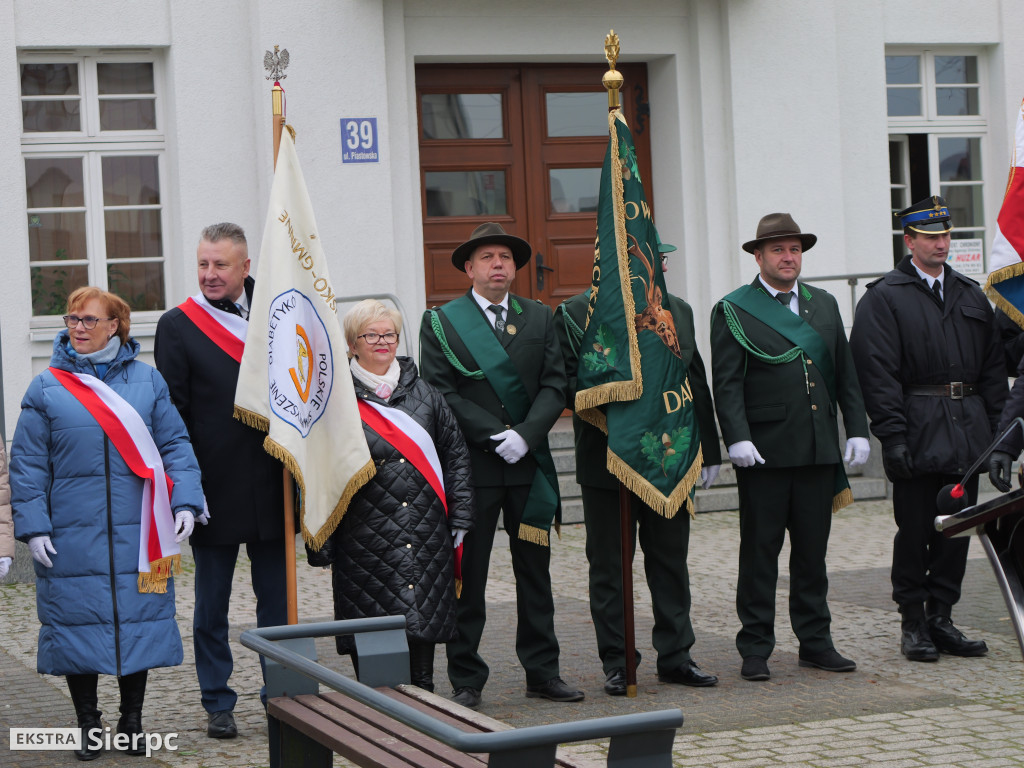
853	280
263	641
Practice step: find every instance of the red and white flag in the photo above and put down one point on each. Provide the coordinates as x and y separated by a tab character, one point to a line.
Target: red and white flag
1005	285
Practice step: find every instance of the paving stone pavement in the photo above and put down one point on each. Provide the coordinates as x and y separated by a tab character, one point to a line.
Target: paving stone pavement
888	714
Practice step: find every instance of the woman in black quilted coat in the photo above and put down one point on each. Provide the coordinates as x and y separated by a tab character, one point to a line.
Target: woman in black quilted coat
394	551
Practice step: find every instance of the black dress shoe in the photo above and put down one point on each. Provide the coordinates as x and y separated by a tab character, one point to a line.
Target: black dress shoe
615	682
688	674
467	697
755	668
222	725
916	643
829	660
948	639
554	689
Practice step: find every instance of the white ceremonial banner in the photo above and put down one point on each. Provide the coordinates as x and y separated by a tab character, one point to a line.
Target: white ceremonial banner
294	380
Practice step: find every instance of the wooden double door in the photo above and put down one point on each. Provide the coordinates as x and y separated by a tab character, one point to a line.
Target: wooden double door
522	146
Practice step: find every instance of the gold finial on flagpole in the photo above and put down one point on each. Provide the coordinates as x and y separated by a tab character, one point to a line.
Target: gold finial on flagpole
612	79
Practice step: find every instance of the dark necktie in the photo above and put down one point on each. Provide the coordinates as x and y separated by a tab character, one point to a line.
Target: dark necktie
499	322
784	298
937	290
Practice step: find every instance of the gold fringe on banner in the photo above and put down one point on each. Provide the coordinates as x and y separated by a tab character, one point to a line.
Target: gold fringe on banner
458	588
534	535
1005	273
666	506
155	582
357	481
616	391
251	419
842	499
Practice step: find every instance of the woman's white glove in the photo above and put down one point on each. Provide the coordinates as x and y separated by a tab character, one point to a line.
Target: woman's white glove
39	546
458	534
744	454
708	475
184	522
5	565
857	451
512	447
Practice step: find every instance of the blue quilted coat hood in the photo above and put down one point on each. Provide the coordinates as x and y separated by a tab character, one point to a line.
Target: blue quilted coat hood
69	483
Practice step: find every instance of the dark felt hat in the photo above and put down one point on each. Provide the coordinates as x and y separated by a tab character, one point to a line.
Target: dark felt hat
928	215
776	225
489	233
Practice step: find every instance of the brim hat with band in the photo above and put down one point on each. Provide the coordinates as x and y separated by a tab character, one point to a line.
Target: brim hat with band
927	216
776	225
489	233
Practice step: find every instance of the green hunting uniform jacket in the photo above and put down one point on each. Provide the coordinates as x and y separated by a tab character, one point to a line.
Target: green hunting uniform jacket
533	350
591	443
790	419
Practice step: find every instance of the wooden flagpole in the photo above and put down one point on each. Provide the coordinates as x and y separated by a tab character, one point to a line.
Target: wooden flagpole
276	62
612	81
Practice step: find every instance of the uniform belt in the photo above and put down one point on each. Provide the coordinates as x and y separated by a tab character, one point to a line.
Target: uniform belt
955	390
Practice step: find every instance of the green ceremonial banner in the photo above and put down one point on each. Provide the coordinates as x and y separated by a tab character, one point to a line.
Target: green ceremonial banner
632	381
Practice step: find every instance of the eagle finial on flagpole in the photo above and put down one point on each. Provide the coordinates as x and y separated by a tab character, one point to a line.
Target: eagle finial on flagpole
612	79
276	62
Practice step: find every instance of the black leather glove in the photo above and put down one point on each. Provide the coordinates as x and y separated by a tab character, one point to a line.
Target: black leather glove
999	470
323	557
896	462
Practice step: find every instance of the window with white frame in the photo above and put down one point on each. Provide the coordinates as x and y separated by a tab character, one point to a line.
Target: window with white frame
937	133
93	146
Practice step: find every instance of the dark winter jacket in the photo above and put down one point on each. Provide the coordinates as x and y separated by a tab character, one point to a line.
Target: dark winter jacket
243	483
68	482
904	337
392	552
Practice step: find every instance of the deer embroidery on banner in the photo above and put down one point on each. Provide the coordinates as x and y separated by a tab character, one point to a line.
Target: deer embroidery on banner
654	316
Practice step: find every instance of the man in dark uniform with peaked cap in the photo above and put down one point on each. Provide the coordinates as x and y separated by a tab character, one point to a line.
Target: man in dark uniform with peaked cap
494	357
931	368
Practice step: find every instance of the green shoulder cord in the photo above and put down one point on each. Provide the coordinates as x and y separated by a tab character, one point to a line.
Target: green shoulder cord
733	322
573	332
435	325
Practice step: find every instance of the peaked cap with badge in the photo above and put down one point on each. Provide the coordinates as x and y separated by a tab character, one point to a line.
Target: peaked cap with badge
927	216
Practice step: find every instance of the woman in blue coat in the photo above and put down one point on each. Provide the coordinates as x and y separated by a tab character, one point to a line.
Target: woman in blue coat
80	507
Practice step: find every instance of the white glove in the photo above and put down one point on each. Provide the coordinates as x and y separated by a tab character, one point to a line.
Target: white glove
39	546
512	446
458	534
5	565
204	518
859	449
708	475
184	522
744	454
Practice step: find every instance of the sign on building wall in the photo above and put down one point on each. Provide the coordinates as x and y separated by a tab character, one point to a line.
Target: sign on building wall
359	140
965	256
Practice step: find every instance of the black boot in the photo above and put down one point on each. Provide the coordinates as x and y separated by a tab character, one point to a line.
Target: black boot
83	696
133	693
421	665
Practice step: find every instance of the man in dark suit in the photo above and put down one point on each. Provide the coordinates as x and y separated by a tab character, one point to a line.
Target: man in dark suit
664	540
780	363
495	358
932	363
198	348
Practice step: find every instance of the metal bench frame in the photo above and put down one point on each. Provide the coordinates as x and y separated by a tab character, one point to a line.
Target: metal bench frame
641	740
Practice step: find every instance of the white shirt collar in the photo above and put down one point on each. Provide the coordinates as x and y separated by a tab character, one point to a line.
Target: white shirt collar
485	303
775	291
928	278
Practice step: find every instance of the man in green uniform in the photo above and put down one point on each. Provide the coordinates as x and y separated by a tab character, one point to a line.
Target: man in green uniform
780	364
495	358
664	540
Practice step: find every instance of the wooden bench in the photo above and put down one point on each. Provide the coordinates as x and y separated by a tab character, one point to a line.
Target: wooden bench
393	725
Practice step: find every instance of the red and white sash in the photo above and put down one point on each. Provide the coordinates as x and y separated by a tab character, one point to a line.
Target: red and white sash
224	329
158	552
406	436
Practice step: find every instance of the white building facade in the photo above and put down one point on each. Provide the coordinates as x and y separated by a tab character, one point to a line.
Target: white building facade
137	123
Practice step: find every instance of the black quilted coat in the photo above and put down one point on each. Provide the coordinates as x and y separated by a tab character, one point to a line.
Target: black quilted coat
392	552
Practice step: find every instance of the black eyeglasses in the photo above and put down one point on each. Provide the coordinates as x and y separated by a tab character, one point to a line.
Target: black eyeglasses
372	338
72	321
